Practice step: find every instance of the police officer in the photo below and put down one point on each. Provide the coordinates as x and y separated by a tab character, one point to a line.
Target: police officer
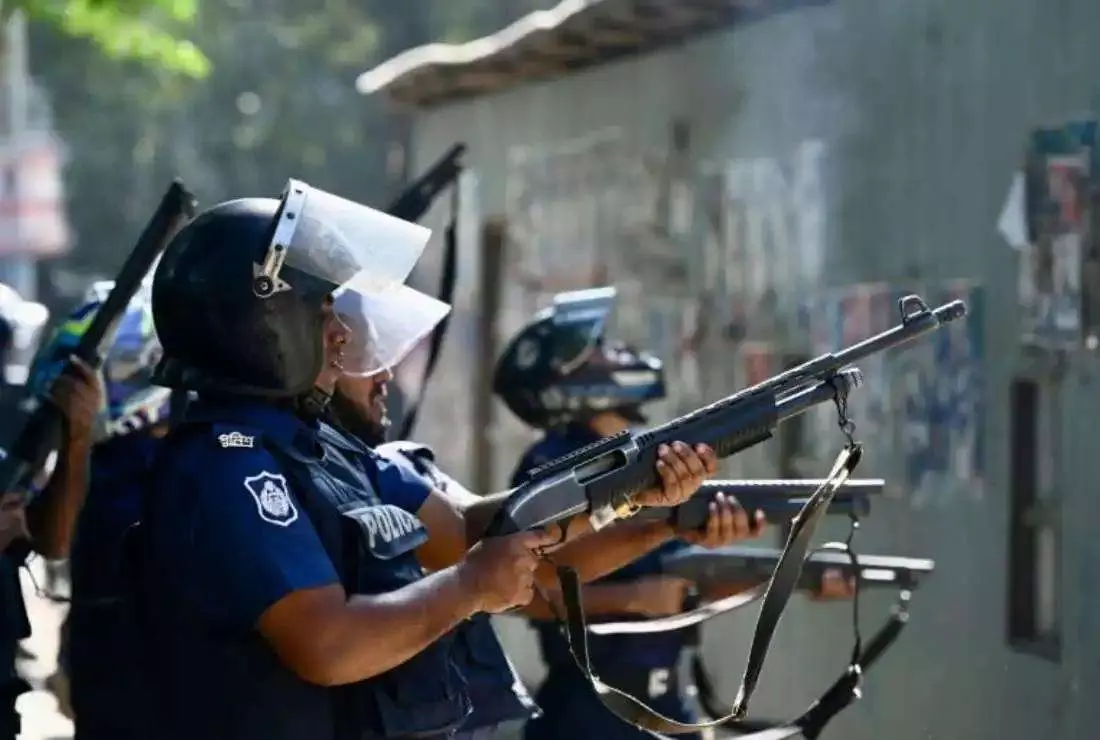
453	515
21	323
282	597
561	375
111	438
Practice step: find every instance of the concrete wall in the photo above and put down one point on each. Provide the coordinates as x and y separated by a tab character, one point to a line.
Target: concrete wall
863	148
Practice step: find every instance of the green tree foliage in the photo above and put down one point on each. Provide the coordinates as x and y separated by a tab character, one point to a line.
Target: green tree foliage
280	102
144	30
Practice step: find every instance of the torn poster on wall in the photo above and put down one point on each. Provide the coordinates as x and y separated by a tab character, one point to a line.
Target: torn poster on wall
1050	217
921	410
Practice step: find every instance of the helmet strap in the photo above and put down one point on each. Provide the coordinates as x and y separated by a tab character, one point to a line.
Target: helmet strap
313	404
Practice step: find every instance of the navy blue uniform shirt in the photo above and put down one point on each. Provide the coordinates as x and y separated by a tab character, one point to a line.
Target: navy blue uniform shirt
230	535
227	538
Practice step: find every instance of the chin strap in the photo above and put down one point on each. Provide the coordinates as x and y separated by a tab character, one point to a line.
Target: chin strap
313	404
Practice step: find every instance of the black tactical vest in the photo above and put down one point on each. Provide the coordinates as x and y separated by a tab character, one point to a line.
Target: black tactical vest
372	547
496	691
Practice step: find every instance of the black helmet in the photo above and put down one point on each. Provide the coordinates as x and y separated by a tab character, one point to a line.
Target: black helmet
238	297
560	368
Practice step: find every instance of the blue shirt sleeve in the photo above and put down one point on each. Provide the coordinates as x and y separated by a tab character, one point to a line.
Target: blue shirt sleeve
400	484
232	534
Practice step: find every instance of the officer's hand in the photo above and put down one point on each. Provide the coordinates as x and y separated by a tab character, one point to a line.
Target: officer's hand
658	596
79	396
834	587
13	519
727	523
681	470
500	571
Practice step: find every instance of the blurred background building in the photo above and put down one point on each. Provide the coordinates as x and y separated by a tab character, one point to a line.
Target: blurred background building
762	180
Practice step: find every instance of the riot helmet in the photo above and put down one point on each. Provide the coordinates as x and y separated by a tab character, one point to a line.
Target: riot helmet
561	367
131	402
240	297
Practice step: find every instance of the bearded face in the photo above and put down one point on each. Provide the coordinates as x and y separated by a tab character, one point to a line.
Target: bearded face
360	406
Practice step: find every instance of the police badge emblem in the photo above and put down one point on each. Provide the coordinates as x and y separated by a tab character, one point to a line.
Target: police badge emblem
272	498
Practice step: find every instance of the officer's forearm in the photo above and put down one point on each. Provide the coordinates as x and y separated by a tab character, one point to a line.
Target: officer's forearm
51	518
598	553
374	634
599	599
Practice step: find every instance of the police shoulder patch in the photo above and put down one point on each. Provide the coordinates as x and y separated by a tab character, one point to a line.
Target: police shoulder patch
272	496
234	437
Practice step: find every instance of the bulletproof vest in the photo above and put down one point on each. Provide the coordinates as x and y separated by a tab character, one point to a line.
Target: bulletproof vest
102	644
497	693
372	547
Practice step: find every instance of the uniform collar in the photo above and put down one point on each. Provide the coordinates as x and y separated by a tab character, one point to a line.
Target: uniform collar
339	437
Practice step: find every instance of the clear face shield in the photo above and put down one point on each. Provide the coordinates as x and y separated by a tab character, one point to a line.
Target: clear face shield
384	327
580	319
135	349
339	242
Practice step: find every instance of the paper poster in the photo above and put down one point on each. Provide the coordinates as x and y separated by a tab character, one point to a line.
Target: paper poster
920	411
1048	217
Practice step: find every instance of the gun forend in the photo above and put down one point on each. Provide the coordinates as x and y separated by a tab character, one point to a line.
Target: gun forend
780	500
737	564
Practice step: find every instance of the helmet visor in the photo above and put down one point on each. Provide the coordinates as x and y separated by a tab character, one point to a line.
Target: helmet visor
340	242
385	327
579	318
135	349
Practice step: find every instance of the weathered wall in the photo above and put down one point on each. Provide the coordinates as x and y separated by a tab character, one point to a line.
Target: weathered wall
862	148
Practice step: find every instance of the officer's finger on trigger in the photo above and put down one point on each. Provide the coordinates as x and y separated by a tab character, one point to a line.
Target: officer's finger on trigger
542	538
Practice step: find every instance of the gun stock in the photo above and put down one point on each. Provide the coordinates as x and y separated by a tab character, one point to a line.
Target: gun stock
739	564
415	200
37	431
780	500
600	479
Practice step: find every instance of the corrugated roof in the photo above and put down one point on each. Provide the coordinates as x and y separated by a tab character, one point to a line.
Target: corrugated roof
573	35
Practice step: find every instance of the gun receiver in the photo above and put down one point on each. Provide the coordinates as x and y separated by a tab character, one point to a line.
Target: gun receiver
37	429
736	564
780	500
601	479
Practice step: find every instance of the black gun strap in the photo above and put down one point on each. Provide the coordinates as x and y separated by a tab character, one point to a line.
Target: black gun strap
838	697
782	586
446	294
